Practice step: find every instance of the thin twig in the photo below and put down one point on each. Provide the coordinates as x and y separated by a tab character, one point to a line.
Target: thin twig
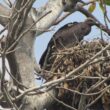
64	104
57	81
26	31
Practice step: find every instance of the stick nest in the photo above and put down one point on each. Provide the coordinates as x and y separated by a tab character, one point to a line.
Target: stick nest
89	87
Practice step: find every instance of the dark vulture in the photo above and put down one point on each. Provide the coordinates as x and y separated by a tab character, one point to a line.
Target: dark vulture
66	37
55	63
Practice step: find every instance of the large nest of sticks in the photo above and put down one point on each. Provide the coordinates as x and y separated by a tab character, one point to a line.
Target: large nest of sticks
89	87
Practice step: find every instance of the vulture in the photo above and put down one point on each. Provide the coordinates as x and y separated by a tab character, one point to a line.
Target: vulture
67	36
56	63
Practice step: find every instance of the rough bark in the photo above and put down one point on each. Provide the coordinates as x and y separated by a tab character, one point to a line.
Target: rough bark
4	15
21	61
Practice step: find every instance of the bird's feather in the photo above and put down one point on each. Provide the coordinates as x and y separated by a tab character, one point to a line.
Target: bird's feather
66	36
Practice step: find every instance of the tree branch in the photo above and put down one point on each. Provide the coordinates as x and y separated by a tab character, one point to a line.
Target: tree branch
21	61
57	81
88	14
4	15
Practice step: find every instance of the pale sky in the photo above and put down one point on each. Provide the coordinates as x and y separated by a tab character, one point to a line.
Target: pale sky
42	40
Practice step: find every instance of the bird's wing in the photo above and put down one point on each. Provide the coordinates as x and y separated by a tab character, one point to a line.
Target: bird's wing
48	50
42	59
46	53
66	26
63	29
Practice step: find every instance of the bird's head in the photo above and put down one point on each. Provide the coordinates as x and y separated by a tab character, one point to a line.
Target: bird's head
91	21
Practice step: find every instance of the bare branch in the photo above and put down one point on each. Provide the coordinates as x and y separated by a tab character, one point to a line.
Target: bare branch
64	104
4	15
88	14
57	81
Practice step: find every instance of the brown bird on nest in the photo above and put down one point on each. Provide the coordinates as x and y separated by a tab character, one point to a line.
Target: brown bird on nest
65	37
52	61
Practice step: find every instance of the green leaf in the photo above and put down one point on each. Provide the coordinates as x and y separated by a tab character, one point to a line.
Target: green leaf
92	8
101	7
107	2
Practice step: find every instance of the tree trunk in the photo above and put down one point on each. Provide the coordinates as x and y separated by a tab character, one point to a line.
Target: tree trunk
21	61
